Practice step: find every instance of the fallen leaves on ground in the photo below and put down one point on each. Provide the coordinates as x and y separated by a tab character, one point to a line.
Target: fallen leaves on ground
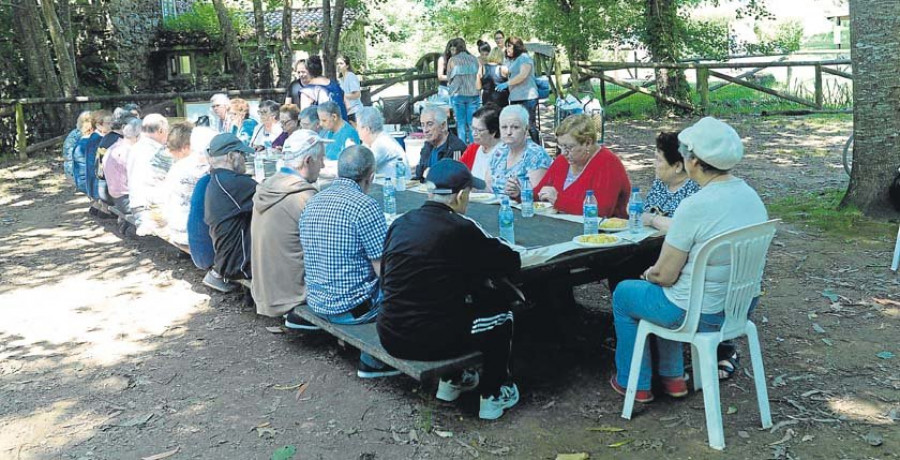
163	455
606	429
578	456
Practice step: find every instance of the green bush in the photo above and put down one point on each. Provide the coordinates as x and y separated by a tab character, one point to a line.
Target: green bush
202	18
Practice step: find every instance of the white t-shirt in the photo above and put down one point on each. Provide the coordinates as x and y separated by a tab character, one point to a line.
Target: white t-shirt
715	209
387	153
260	136
350	83
177	189
481	167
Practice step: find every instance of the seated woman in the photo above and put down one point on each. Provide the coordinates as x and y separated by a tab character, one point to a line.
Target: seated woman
710	149
269	129
486	131
518	155
582	166
241	125
671	184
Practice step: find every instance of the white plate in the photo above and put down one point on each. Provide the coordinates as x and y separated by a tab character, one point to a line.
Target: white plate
485	198
577	240
544	208
612	230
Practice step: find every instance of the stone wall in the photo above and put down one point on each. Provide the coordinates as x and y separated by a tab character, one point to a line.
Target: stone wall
134	25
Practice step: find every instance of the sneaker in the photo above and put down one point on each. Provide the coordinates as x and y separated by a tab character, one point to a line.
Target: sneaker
365	371
294	321
93	211
214	281
449	390
675	387
492	408
642	396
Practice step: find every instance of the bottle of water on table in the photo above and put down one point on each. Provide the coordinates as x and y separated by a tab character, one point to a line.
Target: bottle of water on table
400	174
259	166
507	221
635	211
390	197
527	197
590	213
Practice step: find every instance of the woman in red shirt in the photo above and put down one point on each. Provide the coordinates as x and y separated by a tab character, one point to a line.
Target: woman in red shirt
582	167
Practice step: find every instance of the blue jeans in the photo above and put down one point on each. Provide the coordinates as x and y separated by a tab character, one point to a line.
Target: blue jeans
368	317
463	109
635	300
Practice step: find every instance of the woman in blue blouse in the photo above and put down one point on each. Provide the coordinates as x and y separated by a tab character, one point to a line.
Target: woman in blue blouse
671	184
517	155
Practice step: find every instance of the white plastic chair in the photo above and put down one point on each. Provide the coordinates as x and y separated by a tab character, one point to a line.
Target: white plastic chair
747	247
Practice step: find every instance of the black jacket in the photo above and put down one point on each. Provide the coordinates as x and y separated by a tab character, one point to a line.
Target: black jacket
433	260
452	148
228	208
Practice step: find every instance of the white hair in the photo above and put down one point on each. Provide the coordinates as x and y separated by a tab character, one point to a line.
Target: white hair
219	99
132	128
154	123
201	136
439	114
515	111
371	119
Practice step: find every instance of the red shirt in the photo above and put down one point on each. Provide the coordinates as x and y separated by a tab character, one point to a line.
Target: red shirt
468	156
604	174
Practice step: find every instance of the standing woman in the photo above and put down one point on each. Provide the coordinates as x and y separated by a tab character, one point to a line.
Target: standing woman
350	85
465	84
443	79
522	89
321	88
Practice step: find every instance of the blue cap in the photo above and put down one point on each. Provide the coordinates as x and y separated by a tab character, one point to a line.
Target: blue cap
450	176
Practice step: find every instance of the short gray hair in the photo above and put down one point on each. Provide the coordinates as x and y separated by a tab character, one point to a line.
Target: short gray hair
439	114
132	128
154	123
310	113
329	107
356	163
219	99
516	111
268	108
371	119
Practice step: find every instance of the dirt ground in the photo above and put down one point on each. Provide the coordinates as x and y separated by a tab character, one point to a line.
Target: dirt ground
113	349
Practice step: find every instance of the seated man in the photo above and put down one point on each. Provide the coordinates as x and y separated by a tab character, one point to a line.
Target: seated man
335	128
276	254
388	152
190	165
228	207
342	233
435	305
148	163
439	143
309	119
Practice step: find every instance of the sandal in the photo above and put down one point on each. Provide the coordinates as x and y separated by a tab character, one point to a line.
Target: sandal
727	367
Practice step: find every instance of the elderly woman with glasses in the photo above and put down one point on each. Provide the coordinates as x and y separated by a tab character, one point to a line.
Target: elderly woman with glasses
288	118
269	128
581	166
710	149
241	125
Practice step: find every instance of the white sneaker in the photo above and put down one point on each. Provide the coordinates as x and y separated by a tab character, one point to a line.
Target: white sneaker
492	408
449	390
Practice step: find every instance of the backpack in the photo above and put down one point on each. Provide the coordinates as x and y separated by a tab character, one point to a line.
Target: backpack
332	90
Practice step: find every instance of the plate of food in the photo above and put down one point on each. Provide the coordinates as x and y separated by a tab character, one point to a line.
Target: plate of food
613	224
483	197
596	241
544	207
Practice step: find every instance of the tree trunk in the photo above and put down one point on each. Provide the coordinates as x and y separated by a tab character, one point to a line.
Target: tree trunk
232	50
31	37
874	47
333	21
64	58
663	44
262	54
286	68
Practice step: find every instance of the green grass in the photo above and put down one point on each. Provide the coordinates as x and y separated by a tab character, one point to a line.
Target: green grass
729	100
820	211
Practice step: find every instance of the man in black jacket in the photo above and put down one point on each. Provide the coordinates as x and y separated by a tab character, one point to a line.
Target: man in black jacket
435	267
439	142
228	208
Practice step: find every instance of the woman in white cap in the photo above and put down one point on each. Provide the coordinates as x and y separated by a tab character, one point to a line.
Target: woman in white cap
710	149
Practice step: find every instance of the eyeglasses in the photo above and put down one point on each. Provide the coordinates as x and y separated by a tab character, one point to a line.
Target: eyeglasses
566	148
477	131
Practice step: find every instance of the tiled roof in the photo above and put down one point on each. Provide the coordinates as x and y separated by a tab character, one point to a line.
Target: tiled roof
306	21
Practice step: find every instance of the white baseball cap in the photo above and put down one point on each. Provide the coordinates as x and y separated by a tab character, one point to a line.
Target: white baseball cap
302	140
713	141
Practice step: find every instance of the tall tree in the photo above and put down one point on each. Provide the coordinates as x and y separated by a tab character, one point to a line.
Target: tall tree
286	68
262	51
332	22
665	38
874	47
65	60
232	49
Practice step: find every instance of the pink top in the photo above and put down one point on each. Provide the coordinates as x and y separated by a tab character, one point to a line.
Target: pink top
114	168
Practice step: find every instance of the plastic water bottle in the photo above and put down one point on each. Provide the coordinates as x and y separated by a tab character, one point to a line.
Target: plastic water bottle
400	174
259	166
507	221
527	196
635	210
590	213
390	197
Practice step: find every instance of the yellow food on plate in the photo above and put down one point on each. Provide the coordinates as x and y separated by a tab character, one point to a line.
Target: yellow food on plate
542	206
614	223
597	239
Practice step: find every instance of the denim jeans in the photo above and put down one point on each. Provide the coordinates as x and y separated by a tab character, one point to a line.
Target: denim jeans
368	317
635	300
463	109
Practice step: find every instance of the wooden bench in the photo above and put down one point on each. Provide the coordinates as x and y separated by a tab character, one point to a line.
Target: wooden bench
364	337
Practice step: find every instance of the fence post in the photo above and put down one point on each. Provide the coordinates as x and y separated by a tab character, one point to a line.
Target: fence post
602	90
703	88
21	141
179	107
819	95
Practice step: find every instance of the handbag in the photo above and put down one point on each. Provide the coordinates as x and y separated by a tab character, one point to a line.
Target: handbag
543	86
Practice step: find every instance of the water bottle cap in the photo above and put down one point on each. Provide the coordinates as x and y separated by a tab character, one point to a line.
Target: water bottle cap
635	189
590	193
